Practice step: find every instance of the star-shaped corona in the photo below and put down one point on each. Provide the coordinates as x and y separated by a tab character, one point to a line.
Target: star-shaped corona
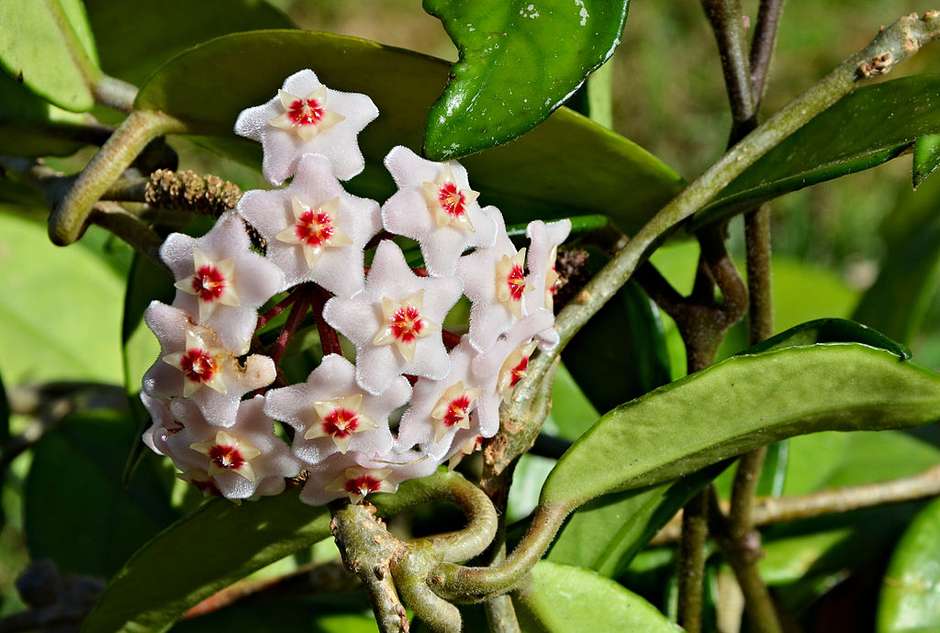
306	116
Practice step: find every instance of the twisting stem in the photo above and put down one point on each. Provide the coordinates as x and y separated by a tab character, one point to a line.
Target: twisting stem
115	93
763	44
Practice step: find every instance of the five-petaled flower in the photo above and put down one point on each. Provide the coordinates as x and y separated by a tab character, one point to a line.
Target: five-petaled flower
194	365
220	282
435	206
395	322
331	413
306	117
315	231
243	461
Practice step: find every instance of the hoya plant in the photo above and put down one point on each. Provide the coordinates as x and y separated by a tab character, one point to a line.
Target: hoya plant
346	337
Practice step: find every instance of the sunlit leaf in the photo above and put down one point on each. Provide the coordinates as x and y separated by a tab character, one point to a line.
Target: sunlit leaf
50	50
926	157
691	423
519	61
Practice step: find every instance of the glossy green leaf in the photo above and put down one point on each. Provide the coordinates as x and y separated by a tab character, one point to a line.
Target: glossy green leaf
561	598
590	166
910	272
863	130
47	45
822	331
926	157
279	613
200	554
910	595
215	546
77	513
59	309
170	26
518	62
623	354
605	534
693	422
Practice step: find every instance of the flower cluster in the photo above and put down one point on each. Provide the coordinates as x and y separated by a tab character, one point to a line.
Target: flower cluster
417	394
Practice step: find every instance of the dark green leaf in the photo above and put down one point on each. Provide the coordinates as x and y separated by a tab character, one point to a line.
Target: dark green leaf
926	157
213	547
201	553
864	130
910	595
48	46
209	85
710	416
279	613
561	598
822	331
605	534
168	27
623	354
59	309
518	62
910	272
77	513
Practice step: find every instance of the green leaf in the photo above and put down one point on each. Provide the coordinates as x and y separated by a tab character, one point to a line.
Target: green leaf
77	513
203	552
207	86
863	130
910	593
59	309
693	422
47	45
910	272
926	157
561	598
518	62
168	27
623	354
215	546
605	534
279	613
822	331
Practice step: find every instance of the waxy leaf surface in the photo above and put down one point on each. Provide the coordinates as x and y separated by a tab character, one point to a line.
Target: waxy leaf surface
736	406
519	61
567	166
865	129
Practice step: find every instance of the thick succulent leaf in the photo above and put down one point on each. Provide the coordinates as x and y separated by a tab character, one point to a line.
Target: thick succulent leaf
696	421
864	130
518	62
213	547
59	309
605	534
623	354
77	513
50	49
171	26
908	278
821	331
910	593
926	157
561	598
590	166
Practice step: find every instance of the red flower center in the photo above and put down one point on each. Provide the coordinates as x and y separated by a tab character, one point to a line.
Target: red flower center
363	485
457	410
516	282
198	365
305	112
314	228
226	456
341	423
208	283
407	324
451	199
517	373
